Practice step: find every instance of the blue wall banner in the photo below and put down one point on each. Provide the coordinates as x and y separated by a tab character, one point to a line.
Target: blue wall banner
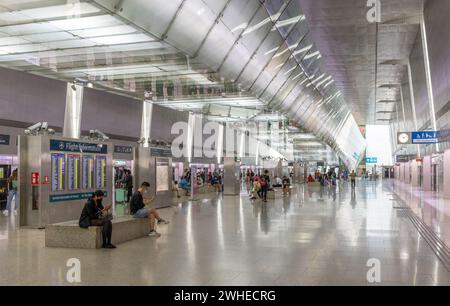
80	147
424	137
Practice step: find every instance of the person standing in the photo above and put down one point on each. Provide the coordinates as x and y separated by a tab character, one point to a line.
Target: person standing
265	181
12	194
128	184
353	179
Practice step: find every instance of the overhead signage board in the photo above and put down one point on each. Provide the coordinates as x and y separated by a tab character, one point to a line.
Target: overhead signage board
424	137
402	158
4	140
371	160
123	149
80	147
161	152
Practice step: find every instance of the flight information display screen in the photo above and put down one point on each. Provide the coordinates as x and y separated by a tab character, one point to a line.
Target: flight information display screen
100	162
74	169
88	172
58	171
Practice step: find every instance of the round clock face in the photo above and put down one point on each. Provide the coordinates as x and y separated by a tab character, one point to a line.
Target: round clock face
403	138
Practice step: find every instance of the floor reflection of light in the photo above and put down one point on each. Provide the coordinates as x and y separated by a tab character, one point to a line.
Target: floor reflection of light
241	219
189	234
220	223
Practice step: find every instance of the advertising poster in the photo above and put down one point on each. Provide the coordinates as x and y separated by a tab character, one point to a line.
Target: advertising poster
88	172
73	163
58	171
100	171
162	177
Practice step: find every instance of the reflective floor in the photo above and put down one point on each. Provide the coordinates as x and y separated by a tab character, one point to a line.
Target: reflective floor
314	237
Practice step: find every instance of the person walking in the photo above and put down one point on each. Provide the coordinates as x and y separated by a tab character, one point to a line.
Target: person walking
353	179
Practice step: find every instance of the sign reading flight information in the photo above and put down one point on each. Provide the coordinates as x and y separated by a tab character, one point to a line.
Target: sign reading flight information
81	147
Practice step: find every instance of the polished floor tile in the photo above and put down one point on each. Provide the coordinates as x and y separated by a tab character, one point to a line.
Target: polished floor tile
317	236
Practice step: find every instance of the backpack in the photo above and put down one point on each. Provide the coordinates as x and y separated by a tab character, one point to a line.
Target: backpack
263	181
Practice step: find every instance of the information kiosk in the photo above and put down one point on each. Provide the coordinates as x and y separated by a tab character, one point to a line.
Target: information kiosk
154	165
57	175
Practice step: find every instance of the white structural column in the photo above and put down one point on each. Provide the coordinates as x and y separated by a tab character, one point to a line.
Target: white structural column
413	101
146	124
403	107
72	116
426	60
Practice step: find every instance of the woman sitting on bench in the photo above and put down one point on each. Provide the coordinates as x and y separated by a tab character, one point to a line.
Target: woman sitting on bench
95	214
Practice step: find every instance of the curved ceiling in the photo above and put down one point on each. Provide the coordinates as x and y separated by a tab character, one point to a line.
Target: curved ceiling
264	47
259	52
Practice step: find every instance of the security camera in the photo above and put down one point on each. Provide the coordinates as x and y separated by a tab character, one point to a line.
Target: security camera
74	88
44	126
141	141
35	127
101	135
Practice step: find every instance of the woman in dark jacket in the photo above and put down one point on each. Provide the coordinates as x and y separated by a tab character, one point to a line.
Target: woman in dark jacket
93	215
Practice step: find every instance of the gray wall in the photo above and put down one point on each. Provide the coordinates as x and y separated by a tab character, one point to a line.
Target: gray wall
111	114
28	98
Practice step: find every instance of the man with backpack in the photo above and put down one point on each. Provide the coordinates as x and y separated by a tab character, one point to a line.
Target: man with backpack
265	181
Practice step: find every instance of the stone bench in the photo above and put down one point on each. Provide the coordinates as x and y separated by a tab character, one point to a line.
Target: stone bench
70	235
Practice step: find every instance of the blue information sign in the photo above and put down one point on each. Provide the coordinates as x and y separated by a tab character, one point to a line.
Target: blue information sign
371	160
424	137
80	147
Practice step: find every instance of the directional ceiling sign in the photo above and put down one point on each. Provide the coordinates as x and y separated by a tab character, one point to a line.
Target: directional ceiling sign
424	137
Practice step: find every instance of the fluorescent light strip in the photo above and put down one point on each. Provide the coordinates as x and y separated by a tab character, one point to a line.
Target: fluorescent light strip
271	51
287	72
318	78
289	21
297	76
328	84
307	48
311	55
324	81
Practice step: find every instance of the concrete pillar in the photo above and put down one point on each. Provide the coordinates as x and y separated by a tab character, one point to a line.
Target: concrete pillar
447	174
427	173
414	173
407	173
230	176
426	60
72	115
146	123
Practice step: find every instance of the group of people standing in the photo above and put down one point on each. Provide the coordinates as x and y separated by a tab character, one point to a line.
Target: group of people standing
330	178
258	185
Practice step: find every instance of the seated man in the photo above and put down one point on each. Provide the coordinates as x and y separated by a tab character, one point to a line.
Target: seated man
139	210
95	214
